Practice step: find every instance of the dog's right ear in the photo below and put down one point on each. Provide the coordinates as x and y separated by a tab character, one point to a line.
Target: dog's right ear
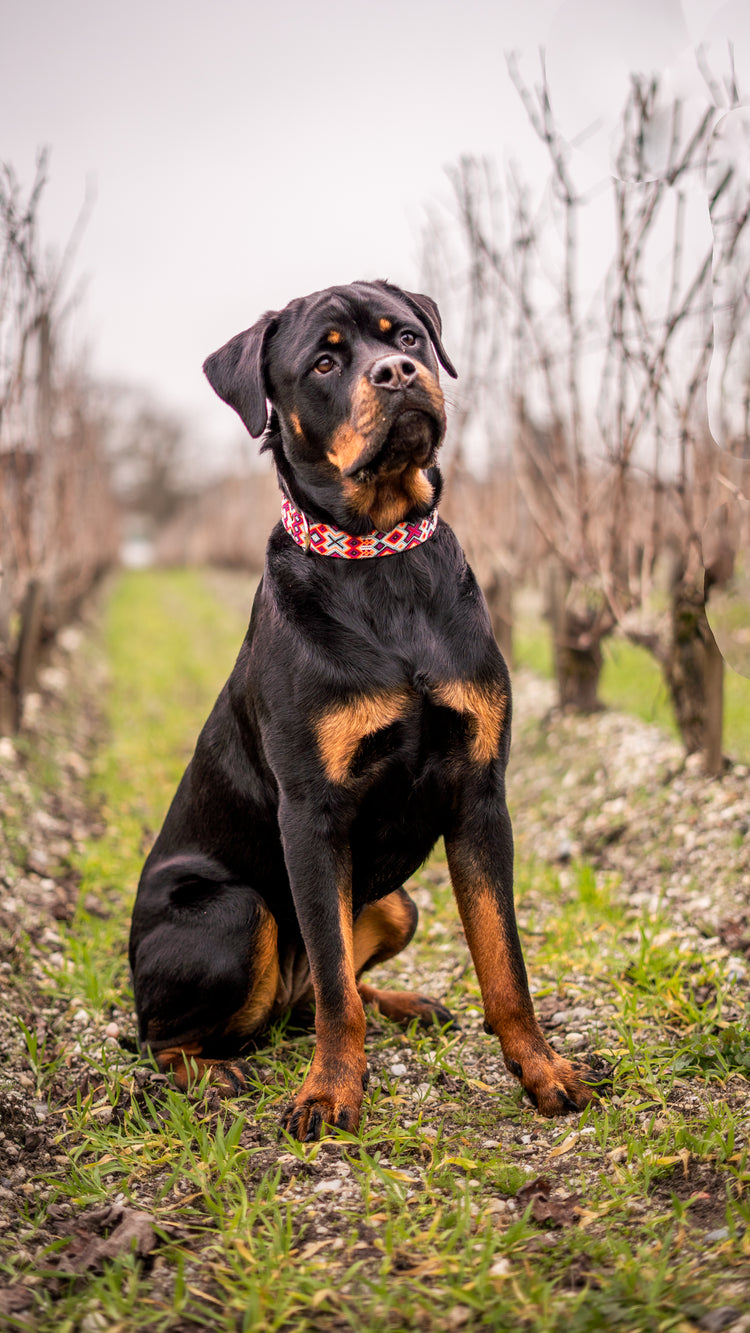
237	372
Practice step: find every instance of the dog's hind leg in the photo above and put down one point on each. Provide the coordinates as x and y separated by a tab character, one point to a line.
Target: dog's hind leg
205	972
381	931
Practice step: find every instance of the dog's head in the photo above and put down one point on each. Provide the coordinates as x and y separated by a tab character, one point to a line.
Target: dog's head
357	411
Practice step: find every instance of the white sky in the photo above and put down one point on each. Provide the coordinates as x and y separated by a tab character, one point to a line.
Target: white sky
245	153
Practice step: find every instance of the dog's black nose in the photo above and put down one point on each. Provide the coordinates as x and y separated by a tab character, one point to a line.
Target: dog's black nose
393	372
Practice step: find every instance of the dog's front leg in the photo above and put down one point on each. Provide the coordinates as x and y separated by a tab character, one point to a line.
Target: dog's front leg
319	865
480	857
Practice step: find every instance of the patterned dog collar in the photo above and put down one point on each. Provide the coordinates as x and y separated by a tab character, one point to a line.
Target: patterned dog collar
325	540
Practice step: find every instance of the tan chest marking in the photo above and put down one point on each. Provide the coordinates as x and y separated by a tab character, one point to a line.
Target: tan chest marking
387	499
485	705
339	731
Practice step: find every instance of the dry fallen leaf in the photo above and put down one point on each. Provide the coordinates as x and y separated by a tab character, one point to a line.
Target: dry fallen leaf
567	1144
544	1209
134	1231
14	1298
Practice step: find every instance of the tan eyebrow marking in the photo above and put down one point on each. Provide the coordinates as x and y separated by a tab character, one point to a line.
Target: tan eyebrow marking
334	336
384	324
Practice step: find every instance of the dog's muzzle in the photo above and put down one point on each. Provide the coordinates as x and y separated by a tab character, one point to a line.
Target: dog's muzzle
413	418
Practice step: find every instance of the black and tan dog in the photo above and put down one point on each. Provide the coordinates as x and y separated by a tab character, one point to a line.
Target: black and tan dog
367	715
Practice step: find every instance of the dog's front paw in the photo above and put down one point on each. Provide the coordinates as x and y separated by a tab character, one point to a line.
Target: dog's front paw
553	1085
320	1102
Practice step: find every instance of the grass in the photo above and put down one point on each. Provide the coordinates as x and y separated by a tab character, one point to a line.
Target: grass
162	683
632	682
416	1223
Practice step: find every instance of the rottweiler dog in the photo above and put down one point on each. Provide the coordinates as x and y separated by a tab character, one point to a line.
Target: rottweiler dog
368	714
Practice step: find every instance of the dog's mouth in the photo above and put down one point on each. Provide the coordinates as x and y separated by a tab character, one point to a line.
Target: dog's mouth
412	440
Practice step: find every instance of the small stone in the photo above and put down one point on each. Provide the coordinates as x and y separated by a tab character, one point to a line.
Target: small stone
618	1154
53	679
717	1320
714	1237
327	1186
398	1070
572	1017
69	639
94	1322
112	1030
423	1091
77	764
500	1268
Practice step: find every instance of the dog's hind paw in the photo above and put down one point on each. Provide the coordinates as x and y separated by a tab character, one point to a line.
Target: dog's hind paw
230	1078
404	1006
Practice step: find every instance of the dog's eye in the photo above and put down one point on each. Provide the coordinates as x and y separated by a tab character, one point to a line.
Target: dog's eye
324	365
408	339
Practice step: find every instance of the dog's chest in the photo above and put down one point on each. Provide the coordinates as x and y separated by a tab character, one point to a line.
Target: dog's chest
415	725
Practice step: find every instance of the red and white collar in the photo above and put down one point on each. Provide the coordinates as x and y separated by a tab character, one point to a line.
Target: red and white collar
326	540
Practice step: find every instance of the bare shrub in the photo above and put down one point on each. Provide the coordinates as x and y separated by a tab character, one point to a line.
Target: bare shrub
58	522
599	384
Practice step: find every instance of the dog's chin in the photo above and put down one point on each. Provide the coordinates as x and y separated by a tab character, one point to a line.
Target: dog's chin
412	441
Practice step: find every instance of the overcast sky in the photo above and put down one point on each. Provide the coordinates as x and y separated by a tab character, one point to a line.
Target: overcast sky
243	153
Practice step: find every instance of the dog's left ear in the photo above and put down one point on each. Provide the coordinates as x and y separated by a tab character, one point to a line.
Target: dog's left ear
237	372
425	309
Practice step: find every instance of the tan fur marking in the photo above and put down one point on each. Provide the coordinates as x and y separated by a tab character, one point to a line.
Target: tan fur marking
549	1079
505	1005
388	498
259	1003
296	425
334	1088
341	1033
346	446
186	1066
351	439
340	731
382	930
485	704
431	388
334	337
384	325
